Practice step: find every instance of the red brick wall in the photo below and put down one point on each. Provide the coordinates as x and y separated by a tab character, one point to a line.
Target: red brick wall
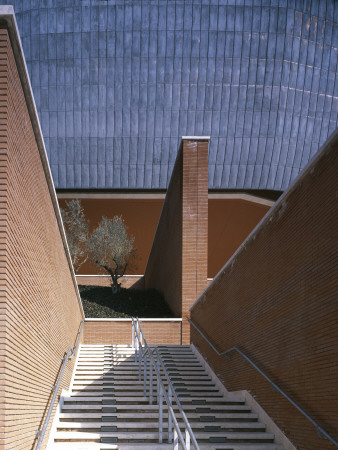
276	299
39	307
177	264
127	281
156	332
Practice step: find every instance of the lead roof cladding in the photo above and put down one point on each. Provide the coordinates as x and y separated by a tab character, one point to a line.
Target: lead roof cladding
118	82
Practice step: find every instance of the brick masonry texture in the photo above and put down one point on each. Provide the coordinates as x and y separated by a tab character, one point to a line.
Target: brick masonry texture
120	332
276	299
134	282
40	311
177	264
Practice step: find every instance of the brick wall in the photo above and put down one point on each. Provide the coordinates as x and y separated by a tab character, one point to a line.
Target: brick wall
177	264
276	299
40	309
127	281
118	331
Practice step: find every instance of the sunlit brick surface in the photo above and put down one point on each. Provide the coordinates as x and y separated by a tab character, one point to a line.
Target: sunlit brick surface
40	312
110	332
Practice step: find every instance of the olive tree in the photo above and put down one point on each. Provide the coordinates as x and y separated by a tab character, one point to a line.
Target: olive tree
110	247
77	231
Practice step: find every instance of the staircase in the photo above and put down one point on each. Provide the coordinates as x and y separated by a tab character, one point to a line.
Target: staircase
107	409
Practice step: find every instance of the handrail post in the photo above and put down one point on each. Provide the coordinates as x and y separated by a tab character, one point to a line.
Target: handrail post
150	381
145	359
160	419
169	418
139	363
136	345
132	334
187	439
175	439
158	383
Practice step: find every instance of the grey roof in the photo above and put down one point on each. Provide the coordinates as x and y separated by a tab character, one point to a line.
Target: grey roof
118	82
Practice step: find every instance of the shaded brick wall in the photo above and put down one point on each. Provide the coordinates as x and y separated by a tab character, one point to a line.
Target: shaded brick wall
177	264
40	310
276	299
127	281
156	332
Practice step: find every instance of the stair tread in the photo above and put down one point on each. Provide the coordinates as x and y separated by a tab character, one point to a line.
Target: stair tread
98	435
99	446
154	424
94	415
110	372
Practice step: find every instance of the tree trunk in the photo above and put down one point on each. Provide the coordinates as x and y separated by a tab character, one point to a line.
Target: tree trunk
116	287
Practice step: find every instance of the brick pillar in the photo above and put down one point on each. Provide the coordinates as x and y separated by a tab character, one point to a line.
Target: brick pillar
194	226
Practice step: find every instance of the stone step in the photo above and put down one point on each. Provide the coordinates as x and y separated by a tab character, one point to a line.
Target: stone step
107	392
146	406
150	415
121	382
122	389
253	426
232	436
150	446
194	401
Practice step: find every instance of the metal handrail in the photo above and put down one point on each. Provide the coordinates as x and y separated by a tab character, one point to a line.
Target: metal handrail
137	338
321	432
70	353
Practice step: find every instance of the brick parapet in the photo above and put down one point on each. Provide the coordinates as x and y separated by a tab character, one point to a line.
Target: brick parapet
275	299
127	281
119	331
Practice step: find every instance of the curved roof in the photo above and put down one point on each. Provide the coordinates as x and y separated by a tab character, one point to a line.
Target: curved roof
118	82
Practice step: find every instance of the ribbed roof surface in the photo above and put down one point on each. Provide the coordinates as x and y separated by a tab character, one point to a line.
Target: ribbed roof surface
118	82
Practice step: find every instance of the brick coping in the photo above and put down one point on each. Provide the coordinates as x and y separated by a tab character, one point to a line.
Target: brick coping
125	276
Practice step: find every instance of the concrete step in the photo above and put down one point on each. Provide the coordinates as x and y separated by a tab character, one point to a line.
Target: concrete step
135	383
194	401
232	436
106	392
249	417
187	408
253	426
150	446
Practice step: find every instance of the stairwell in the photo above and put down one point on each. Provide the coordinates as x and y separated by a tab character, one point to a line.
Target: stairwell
107	409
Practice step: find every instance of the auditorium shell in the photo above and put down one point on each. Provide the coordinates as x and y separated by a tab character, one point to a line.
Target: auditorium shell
117	83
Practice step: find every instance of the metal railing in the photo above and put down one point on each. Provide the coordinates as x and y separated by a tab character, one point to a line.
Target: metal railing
71	352
151	365
321	432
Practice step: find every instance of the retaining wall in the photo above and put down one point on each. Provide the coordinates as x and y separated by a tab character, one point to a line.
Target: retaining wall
276	299
119	331
127	281
40	308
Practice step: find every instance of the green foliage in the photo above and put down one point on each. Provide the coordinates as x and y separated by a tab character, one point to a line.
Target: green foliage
77	231
110	247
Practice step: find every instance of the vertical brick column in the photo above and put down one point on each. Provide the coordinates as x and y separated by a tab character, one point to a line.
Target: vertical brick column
177	264
194	226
